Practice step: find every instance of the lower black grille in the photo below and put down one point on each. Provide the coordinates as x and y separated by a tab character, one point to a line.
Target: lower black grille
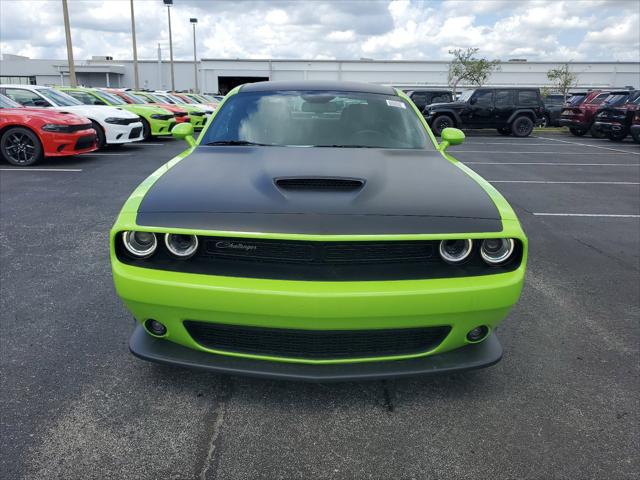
86	141
135	133
316	344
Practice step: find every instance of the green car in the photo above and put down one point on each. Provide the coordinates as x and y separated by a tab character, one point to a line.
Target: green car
156	121
197	117
317	231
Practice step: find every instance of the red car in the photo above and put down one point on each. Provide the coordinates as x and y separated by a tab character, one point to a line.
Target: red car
27	135
580	117
179	114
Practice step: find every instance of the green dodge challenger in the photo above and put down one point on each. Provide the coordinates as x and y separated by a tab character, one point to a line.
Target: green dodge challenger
317	231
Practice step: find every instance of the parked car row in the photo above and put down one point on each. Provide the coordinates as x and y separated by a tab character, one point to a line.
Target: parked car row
114	116
613	114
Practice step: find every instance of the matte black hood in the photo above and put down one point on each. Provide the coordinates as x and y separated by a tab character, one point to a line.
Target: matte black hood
233	188
449	105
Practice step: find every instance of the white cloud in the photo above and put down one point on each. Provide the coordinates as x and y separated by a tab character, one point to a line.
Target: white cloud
400	29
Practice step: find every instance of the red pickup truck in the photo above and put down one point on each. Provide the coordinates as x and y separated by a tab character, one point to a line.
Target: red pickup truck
580	115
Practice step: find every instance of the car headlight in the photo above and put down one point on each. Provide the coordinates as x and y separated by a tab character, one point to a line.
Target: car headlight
52	127
159	116
455	251
181	245
495	251
140	244
117	121
208	112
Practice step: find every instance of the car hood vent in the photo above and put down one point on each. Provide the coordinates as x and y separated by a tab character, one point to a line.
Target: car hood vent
319	183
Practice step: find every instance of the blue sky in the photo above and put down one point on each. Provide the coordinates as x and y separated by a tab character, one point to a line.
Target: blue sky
599	30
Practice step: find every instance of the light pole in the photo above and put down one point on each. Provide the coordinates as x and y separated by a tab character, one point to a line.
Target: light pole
135	49
168	3
195	62
67	33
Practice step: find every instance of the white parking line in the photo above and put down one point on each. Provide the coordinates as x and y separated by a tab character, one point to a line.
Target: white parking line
564	182
27	169
584	215
537	153
138	144
558	163
591	145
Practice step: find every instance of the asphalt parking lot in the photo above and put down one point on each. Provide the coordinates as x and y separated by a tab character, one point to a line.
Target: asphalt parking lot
562	404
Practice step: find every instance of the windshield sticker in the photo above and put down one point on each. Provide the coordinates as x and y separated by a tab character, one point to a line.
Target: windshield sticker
396	104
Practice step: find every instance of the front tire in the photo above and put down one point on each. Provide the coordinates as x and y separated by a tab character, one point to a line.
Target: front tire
146	130
504	131
442	122
636	136
577	132
101	138
522	127
618	136
21	147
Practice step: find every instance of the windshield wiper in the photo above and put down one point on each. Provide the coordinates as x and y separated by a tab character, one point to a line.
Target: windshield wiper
239	142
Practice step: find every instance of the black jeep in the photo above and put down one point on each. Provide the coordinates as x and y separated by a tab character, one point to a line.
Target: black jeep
512	111
423	98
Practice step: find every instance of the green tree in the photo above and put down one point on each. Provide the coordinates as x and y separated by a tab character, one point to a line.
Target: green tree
563	79
465	66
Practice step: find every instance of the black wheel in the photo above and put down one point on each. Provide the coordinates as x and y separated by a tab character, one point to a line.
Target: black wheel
146	130
440	123
577	132
618	136
21	147
102	140
504	131
522	127
636	136
595	133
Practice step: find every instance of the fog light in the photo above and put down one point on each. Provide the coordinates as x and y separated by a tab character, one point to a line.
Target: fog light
478	334
155	327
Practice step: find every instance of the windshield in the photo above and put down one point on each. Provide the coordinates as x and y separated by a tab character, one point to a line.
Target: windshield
61	99
464	96
133	98
112	99
574	100
616	98
6	102
317	118
175	99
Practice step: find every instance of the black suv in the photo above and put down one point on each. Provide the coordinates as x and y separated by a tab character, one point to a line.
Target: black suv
423	98
553	104
513	111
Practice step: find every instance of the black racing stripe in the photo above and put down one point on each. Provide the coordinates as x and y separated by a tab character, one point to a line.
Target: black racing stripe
234	189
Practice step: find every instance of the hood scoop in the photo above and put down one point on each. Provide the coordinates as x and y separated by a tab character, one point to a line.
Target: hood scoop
333	184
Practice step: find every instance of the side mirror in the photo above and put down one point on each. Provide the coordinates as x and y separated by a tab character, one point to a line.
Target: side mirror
184	131
473	100
451	136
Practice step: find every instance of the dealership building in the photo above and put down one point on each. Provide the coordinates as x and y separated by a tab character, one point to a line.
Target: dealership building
220	75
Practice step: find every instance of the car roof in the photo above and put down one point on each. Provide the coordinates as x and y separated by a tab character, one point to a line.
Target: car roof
328	86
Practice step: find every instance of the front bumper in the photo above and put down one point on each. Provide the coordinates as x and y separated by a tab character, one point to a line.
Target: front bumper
473	356
64	144
118	134
198	121
573	123
608	127
161	127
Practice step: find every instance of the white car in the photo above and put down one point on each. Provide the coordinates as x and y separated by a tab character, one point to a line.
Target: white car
112	125
178	101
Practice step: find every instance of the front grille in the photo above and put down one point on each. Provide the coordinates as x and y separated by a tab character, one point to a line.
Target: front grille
319	261
159	116
135	133
77	128
86	141
316	344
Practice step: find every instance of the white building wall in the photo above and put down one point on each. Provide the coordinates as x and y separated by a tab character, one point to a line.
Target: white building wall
156	75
